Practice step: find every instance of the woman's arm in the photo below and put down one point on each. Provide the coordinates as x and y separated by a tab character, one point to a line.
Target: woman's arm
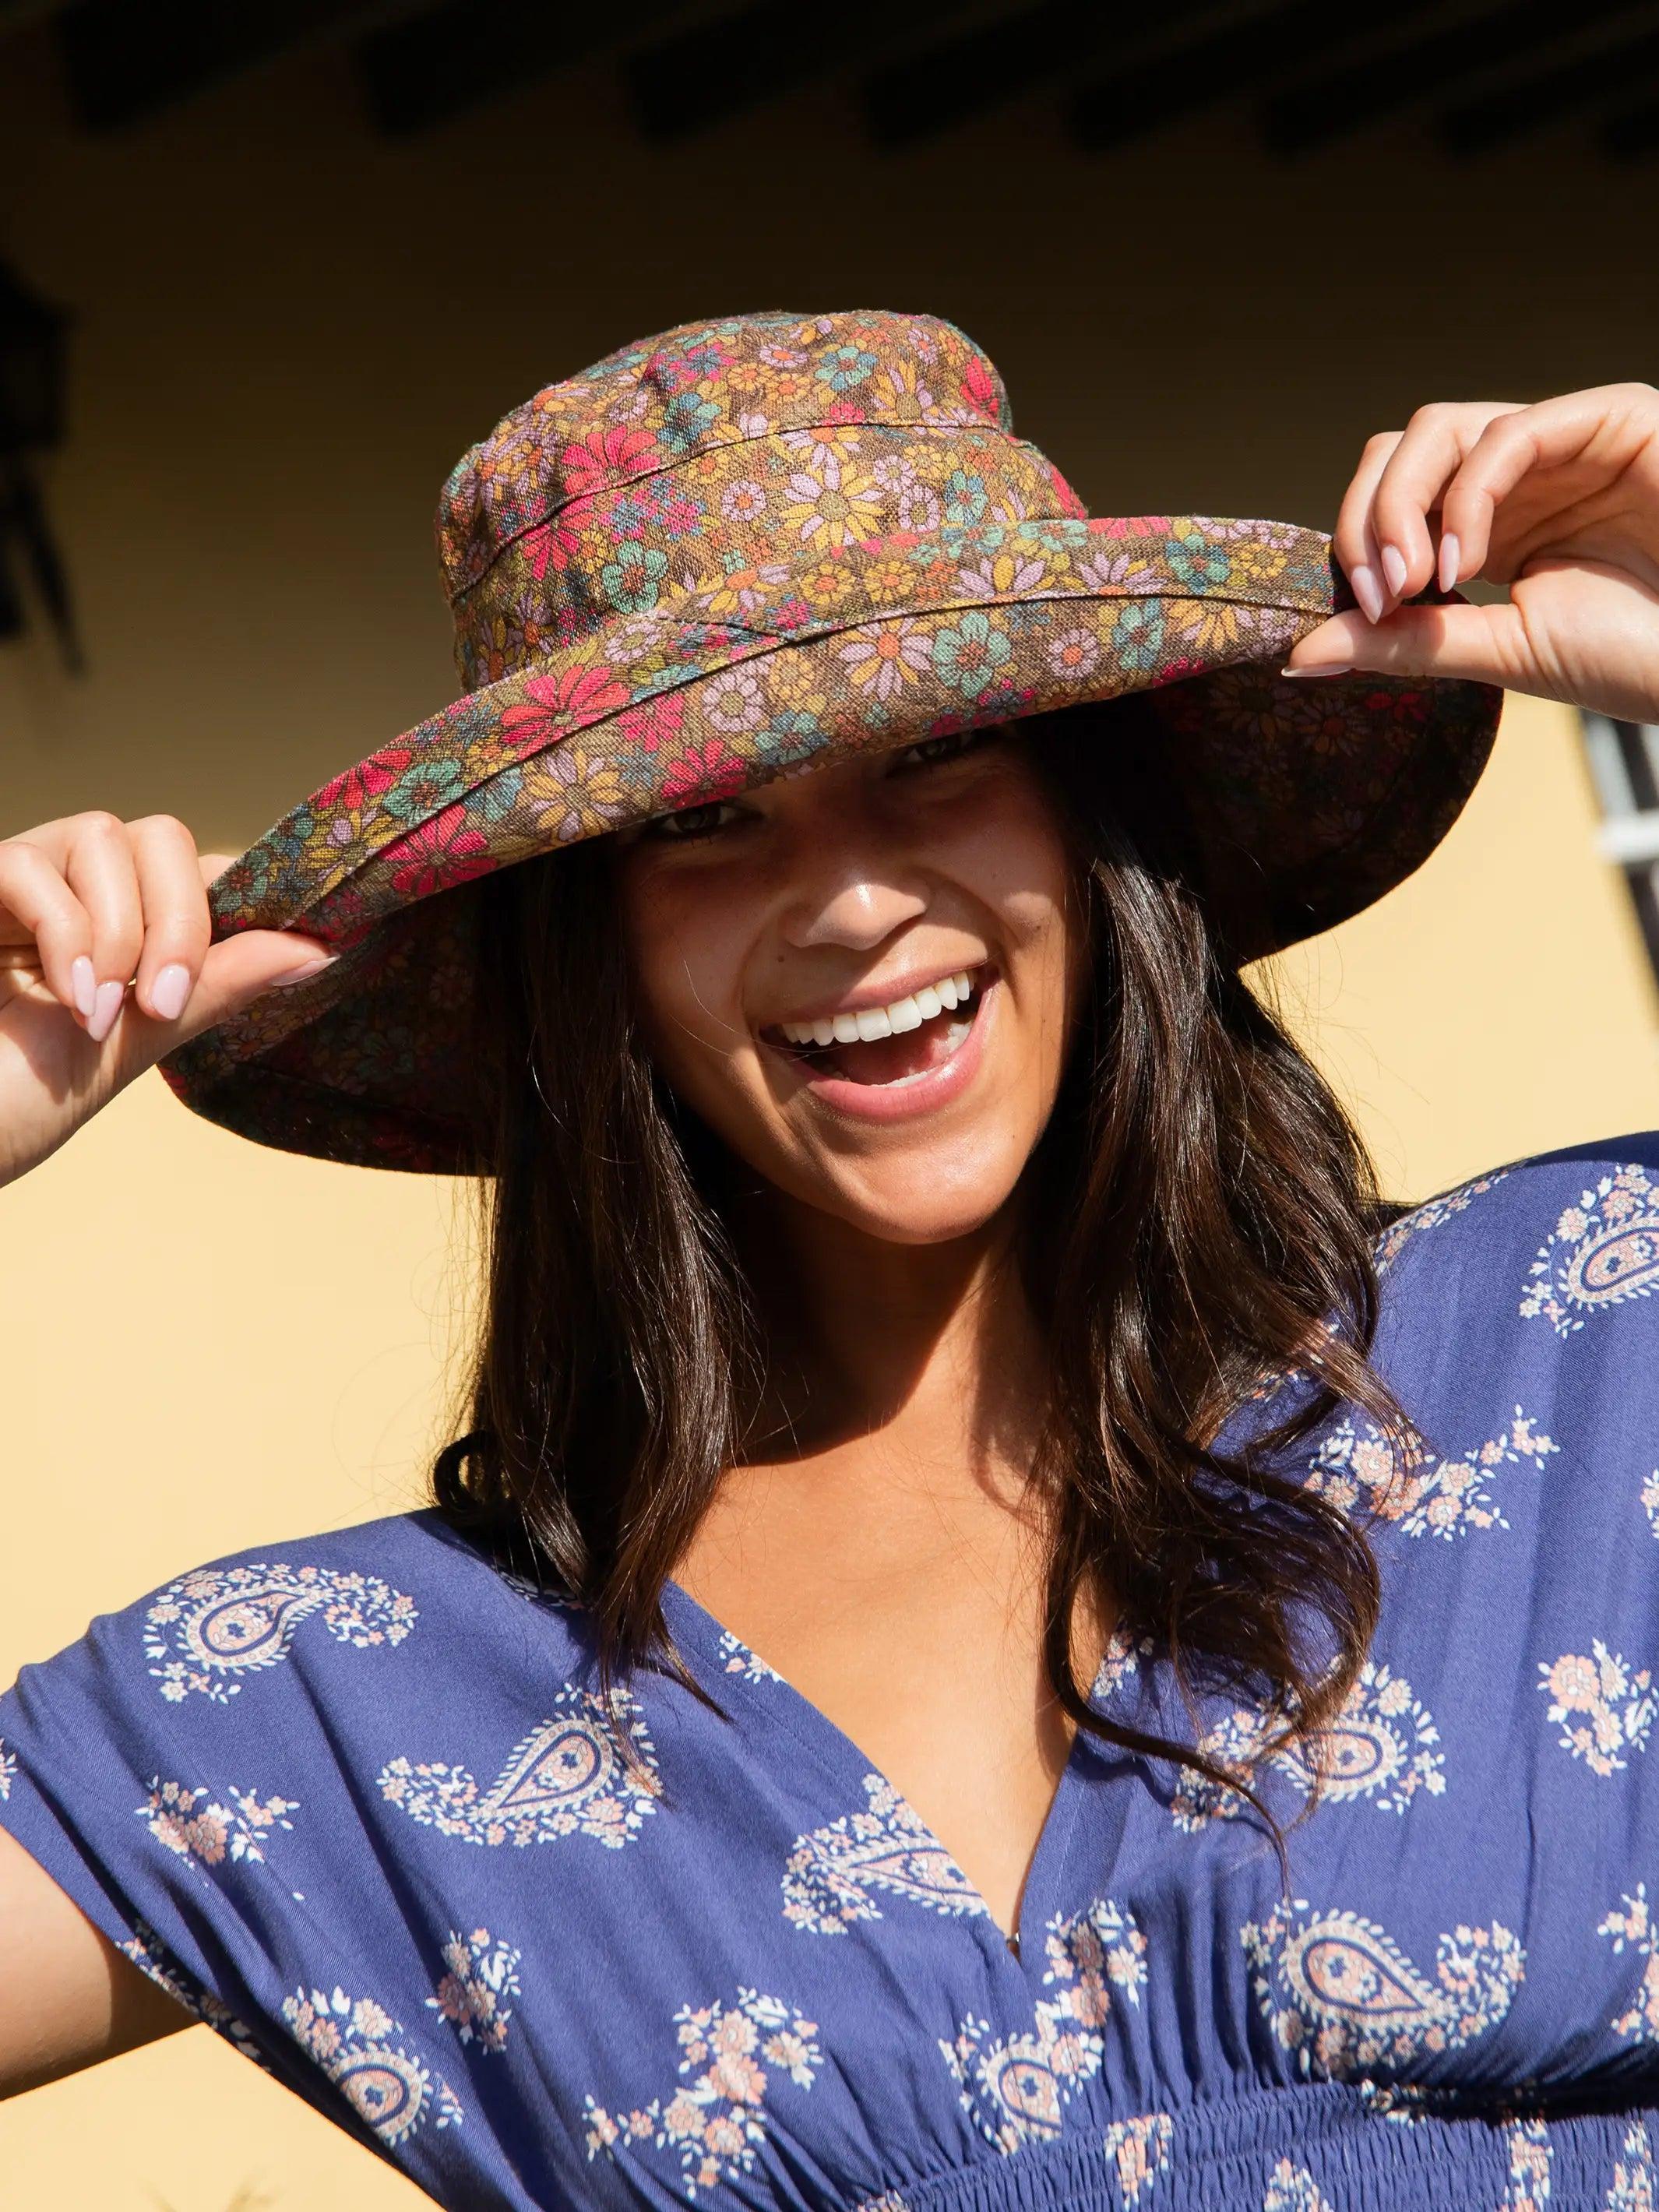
104	965
1559	501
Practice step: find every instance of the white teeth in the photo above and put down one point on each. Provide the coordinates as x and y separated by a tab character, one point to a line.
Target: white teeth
906	1014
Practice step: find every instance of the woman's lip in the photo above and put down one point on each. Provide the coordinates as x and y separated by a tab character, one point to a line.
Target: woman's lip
901	1102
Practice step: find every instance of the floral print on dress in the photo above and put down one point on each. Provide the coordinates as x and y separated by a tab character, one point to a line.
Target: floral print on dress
738	1659
1530	2158
8	1772
1139	2148
208	1630
1634	2182
1382	1747
566	1777
1291	2188
1014	2087
1340	1994
213	1833
151	1956
714	2122
1427	1497
1633	1925
1603	1705
1602	1251
482	1974
358	2045
831	1872
1430	1215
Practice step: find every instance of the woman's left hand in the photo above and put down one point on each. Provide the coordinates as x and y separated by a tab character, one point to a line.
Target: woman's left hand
1559	501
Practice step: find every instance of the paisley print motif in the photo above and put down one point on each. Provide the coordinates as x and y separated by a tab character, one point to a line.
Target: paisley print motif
358	2045
208	1630
1430	1215
1293	2189
151	1956
1383	1748
1633	1925
714	2122
1427	1497
1603	1705
482	1975
1340	1994
831	1872
1141	2149
8	1772
1601	1252
738	1659
1633	2188
1015	2088
175	1816
566	1777
1530	2157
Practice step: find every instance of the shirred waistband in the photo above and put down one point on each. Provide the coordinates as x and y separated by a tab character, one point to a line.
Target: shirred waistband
1263	2153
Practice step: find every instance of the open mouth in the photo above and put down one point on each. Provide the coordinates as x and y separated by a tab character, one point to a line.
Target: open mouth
935	1022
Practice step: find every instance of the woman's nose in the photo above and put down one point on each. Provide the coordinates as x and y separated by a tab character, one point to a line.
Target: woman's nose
851	900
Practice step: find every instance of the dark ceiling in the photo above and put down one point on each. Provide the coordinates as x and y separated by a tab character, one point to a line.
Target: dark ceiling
1474	74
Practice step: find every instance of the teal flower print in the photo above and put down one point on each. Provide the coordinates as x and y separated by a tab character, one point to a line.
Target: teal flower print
965	499
684	420
970	656
1137	633
1197	562
844	365
423	790
790	735
494	800
632	582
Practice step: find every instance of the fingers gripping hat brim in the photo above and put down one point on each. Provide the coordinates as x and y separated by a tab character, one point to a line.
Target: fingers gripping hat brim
1325	793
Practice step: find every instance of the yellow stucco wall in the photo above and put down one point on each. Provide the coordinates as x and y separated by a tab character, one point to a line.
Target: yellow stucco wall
283	346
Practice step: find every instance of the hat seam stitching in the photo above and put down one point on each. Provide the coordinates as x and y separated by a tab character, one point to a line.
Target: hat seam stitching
724	445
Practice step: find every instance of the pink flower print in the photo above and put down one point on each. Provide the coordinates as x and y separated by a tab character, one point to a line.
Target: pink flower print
734	701
738	2078
653	725
607	456
682	2119
979	388
744	502
441	852
358	788
893	473
884	657
707	770
554	702
1074	653
919	509
1135	525
1118	571
554	544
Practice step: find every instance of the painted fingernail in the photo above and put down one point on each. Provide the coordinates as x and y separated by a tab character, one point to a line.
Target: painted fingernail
1451	558
106	1006
303	974
1394	568
1321	668
1366	591
83	984
170	989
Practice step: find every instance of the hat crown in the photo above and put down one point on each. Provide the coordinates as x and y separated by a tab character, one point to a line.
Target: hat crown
662	401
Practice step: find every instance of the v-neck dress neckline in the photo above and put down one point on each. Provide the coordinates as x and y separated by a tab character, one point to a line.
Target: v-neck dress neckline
777	1702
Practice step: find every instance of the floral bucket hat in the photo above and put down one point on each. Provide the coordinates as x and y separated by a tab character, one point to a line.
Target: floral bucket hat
745	546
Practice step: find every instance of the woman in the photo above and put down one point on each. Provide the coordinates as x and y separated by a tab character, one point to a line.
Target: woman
968	1654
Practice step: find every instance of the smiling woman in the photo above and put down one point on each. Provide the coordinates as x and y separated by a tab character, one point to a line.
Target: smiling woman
995	1640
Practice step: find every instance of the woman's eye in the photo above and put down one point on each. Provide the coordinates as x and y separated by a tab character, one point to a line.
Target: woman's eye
686	822
947	747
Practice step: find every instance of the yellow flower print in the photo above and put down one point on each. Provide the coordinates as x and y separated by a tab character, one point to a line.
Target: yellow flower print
824	450
793	683
833	510
827	585
889	580
576	791
743	591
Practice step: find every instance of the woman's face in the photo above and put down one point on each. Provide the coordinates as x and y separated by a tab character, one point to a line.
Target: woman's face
840	905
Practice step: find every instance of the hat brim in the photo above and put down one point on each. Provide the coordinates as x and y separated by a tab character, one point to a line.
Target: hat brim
1323	794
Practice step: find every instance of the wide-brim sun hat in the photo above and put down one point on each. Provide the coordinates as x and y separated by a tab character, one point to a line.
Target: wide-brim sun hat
745	546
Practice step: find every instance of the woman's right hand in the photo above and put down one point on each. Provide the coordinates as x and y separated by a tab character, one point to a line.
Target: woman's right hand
106	966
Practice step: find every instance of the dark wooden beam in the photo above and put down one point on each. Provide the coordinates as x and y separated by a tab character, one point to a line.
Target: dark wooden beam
713	71
441	61
1336	102
991	63
1537	98
1242	55
125	60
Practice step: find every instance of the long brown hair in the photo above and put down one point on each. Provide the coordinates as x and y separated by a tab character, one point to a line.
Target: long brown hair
1201	1223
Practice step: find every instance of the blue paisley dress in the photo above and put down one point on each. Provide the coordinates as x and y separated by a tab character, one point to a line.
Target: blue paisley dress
357	1803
